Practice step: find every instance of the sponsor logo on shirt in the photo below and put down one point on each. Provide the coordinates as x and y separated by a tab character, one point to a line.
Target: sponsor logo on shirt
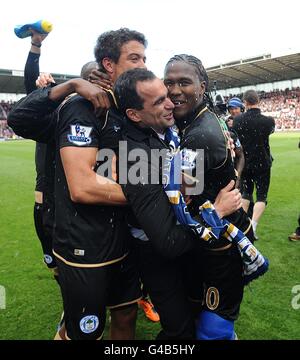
188	159
80	135
78	252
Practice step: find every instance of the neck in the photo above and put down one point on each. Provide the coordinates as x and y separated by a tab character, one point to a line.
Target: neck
252	106
183	122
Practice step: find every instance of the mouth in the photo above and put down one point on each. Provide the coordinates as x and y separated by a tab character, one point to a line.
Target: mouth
178	103
169	116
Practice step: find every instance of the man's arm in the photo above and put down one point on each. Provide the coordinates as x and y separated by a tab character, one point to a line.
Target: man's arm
31	72
85	186
271	126
239	153
33	116
32	68
156	217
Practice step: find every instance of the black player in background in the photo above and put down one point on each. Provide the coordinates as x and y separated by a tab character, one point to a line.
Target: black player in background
42	207
254	129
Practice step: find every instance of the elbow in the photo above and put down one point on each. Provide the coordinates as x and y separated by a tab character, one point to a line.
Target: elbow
77	196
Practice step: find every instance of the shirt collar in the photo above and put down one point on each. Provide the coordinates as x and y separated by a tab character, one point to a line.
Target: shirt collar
253	110
138	133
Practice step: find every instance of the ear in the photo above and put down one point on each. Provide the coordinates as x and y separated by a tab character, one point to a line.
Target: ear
203	87
108	65
133	115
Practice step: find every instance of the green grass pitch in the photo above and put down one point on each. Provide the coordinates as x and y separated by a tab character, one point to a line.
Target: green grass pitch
33	303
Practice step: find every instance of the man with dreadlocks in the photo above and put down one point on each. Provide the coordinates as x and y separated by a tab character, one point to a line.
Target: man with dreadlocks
221	267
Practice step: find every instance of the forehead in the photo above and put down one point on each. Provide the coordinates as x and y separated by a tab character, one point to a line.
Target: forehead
180	69
151	89
132	47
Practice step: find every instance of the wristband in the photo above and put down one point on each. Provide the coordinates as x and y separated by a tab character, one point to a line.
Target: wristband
37	45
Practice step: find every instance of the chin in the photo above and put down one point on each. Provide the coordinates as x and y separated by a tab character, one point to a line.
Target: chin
179	114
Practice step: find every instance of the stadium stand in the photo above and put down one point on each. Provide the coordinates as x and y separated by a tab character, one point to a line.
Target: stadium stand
231	79
262	69
282	105
12	85
5	130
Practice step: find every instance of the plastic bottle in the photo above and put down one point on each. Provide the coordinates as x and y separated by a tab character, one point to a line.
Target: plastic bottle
41	26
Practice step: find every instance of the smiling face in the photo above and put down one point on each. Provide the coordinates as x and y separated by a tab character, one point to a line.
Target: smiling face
132	56
157	112
185	89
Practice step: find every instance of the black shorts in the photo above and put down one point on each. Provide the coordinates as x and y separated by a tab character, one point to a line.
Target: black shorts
163	279
216	281
40	157
87	292
261	180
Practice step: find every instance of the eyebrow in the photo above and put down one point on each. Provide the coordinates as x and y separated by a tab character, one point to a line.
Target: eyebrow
138	55
159	99
180	79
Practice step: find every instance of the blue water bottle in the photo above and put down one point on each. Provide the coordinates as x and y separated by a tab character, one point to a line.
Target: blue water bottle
41	26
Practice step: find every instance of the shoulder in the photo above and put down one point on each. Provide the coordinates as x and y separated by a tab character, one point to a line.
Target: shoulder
205	131
76	102
268	119
76	108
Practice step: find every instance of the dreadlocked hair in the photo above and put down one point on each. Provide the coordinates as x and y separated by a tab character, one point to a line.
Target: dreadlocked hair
200	71
195	62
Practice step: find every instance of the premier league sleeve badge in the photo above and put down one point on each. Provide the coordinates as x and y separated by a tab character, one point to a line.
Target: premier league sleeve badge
80	135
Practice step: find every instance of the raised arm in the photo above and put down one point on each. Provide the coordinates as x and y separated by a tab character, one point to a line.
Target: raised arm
33	117
32	69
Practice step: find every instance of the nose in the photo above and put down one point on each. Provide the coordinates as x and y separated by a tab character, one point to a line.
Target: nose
174	89
169	105
141	64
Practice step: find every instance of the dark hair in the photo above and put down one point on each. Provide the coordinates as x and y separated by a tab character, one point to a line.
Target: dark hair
125	89
109	44
200	71
87	68
251	97
195	62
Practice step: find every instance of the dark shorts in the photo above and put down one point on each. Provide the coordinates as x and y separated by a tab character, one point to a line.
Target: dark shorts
163	279
40	157
44	234
215	281
261	180
87	292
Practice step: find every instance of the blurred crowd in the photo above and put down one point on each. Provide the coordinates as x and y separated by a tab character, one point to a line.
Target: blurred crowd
282	105
5	131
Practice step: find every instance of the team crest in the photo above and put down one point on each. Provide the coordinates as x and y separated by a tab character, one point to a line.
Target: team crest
80	135
89	324
48	259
